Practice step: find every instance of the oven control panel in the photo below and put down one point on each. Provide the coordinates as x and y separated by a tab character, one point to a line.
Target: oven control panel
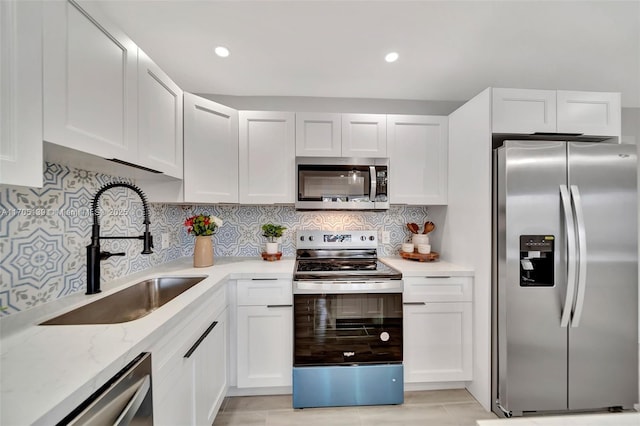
317	239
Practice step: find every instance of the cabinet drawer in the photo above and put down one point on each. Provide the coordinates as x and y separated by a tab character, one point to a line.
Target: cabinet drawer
264	291
438	289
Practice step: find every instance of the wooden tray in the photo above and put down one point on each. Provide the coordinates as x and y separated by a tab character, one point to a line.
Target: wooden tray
270	257
429	257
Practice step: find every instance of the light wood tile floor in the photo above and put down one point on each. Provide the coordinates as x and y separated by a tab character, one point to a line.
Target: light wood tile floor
455	407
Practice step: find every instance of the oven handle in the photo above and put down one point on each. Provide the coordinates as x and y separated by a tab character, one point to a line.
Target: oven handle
346	287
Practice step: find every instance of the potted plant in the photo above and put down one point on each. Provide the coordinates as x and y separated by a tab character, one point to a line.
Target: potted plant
272	232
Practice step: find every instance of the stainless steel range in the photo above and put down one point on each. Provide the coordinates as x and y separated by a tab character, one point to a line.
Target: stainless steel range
347	322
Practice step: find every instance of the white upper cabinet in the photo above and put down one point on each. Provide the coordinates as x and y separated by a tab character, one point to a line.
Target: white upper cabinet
590	113
90	83
267	157
21	93
524	111
159	119
418	148
364	135
318	134
210	151
528	111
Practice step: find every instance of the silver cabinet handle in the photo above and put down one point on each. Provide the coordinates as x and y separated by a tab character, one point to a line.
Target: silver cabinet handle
570	229
414	303
264	279
438	276
582	255
193	348
134	404
279	306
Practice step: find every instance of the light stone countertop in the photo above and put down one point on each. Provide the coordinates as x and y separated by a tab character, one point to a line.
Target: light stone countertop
47	371
414	268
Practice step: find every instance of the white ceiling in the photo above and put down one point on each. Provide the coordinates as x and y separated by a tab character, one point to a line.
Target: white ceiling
449	50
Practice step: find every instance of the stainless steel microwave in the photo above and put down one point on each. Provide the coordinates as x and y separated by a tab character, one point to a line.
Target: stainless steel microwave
336	183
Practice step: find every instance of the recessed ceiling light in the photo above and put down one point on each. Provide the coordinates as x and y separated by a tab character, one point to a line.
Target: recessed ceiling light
222	51
391	57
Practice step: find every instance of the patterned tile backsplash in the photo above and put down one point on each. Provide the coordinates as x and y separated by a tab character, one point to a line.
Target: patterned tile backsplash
44	232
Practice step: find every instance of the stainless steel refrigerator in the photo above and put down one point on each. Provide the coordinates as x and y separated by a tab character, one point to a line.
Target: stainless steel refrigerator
565	277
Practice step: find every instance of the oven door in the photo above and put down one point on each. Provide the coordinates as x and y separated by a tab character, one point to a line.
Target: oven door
347	329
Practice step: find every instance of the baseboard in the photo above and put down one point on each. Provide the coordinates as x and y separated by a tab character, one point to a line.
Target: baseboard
279	390
433	386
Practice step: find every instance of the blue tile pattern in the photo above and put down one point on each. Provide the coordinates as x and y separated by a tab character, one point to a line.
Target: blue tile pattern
44	232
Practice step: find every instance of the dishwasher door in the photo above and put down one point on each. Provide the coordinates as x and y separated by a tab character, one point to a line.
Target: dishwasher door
124	400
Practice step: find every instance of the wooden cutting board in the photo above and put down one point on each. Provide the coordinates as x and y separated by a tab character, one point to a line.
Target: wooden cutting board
429	257
271	257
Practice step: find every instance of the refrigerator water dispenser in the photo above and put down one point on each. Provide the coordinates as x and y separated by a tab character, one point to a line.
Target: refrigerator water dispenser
536	260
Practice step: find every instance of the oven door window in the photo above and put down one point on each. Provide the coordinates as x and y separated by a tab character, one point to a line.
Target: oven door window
339	329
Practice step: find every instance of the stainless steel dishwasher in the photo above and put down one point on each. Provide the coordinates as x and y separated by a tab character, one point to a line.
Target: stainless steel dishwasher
124	400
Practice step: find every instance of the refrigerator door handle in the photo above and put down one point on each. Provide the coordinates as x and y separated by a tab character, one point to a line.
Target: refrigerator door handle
571	255
582	255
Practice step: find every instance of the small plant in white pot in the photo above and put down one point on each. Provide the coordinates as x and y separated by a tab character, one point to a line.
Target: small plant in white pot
272	232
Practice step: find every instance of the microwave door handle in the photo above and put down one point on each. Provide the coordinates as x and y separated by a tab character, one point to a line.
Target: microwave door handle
374	184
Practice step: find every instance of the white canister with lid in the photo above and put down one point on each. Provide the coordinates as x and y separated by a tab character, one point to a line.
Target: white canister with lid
407	247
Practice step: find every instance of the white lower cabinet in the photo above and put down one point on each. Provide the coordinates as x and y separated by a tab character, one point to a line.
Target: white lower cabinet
264	333
437	329
190	373
210	372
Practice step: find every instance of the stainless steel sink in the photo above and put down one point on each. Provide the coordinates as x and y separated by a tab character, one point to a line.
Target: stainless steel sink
129	304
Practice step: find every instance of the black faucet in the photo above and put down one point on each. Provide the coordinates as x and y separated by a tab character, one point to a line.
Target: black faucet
94	255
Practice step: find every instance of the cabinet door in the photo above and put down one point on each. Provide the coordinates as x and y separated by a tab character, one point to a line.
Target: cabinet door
173	401
418	152
21	93
318	134
589	113
267	157
437	342
264	342
364	135
210	373
523	111
159	119
90	82
210	151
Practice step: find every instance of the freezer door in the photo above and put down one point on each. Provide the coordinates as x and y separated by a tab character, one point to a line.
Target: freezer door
532	346
603	341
